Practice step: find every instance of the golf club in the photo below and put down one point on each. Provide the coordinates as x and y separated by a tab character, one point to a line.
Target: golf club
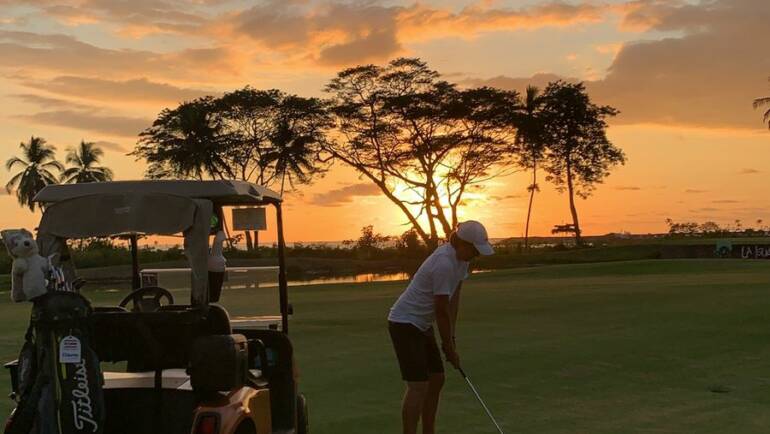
478	397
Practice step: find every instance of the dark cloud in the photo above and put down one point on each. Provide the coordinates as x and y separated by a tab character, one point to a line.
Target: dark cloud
63	113
132	18
628	188
65	54
749	172
111	146
694	191
372	47
506	197
141	89
706	73
707	77
726	201
342	33
48	102
345	195
90	121
519	84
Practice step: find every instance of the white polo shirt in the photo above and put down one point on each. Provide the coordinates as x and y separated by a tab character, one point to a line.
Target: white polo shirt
440	274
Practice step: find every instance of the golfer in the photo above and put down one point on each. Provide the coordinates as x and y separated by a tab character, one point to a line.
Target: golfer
433	294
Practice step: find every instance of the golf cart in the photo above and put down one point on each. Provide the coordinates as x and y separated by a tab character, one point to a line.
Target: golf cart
185	367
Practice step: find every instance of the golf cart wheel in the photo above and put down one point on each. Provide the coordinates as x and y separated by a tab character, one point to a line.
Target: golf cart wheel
303	424
246	427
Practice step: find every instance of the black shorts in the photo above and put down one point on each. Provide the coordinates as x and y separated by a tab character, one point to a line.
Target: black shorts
417	352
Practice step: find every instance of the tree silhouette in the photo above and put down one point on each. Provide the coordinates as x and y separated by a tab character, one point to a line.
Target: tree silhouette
419	139
530	143
248	115
579	153
186	142
37	162
84	160
296	139
761	102
249	118
260	136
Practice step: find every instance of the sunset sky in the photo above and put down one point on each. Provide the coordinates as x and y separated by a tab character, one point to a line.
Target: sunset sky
682	73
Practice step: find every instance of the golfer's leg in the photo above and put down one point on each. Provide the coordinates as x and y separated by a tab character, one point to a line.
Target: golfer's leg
430	406
414	399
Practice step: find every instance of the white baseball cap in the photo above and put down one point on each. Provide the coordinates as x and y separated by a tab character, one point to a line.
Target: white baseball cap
474	233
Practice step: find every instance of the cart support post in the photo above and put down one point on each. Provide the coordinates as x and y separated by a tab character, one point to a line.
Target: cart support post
282	283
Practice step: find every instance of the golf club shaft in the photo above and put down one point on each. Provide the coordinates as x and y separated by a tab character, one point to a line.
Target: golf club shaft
481	401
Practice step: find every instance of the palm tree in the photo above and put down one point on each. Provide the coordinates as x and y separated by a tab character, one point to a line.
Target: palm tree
186	142
84	160
37	162
760	102
529	137
291	156
295	141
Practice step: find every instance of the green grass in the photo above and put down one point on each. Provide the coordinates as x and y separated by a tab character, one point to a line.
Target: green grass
623	347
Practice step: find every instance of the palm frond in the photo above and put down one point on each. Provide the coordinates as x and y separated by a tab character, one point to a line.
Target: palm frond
13	182
13	161
52	165
759	102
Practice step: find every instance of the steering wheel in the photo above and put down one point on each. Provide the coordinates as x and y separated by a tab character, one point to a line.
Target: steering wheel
147	299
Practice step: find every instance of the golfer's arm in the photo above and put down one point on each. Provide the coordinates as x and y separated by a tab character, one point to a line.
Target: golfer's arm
454	308
443	319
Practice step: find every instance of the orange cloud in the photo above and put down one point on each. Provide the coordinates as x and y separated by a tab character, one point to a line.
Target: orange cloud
133	19
422	22
336	33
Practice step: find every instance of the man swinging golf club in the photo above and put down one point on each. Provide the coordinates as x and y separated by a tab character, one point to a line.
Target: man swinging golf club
433	294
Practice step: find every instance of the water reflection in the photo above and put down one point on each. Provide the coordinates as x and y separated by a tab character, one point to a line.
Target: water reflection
245	278
358	278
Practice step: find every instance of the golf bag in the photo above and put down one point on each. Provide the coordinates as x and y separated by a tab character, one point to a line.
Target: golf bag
59	379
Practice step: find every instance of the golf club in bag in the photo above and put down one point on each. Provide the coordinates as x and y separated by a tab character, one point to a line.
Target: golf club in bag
59	378
478	397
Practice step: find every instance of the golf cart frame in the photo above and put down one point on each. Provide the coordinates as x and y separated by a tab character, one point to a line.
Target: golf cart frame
179	357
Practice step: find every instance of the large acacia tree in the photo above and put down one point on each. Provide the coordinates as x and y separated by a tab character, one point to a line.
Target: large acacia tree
420	139
272	138
579	153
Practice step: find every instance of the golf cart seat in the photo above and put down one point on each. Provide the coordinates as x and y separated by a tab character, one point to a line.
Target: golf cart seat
218	363
155	340
216	320
134	410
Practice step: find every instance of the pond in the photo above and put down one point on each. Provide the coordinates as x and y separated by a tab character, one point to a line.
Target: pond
357	278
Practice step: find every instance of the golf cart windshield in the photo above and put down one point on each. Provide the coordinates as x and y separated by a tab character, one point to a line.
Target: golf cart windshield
135	208
135	214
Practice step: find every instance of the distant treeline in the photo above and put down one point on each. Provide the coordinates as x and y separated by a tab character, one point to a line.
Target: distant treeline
713	229
405	252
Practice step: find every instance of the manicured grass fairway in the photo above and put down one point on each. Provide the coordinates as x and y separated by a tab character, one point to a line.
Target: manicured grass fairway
630	347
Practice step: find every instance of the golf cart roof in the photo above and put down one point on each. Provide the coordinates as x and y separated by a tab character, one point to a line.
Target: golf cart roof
218	192
105	209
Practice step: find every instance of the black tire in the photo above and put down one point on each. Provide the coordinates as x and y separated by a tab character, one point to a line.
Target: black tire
303	423
246	427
